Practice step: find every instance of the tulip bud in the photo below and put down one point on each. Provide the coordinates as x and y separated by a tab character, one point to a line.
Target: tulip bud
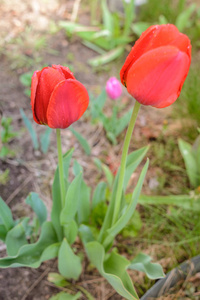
113	88
156	67
57	98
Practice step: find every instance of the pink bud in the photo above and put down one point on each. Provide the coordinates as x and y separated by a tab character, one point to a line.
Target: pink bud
113	88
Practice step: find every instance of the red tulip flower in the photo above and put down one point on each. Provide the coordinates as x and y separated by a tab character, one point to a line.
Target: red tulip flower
57	98
156	67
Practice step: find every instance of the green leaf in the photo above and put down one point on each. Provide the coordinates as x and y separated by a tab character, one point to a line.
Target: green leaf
71	201
142	262
30	128
190	162
6	215
97	105
38	206
57	206
69	264
99	194
57	279
32	255
86	234
129	10
108	174
113	269
107	57
84	203
83	142
126	216
133	160
182	20
139	27
107	17
122	122
65	296
184	201
3	232
16	238
45	139
25	79
70	231
77	168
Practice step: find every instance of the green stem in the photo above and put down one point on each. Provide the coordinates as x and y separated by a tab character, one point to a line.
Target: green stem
123	161
60	167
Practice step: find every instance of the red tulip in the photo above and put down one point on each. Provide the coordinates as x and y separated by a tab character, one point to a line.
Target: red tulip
57	98
156	67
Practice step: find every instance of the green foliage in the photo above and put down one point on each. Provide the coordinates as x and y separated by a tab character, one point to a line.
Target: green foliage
113	125
142	262
44	137
25	79
69	264
111	37
113	268
7	134
82	141
191	156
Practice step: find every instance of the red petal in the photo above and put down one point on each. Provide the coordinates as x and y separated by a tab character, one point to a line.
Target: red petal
65	71
49	78
154	37
68	103
156	78
34	84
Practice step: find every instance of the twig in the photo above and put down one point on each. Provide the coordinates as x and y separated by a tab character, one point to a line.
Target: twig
18	189
35	283
75	10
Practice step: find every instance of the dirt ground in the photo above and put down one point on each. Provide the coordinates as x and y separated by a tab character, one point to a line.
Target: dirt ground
20	23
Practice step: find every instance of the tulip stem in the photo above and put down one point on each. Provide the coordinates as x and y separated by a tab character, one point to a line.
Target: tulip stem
123	162
60	167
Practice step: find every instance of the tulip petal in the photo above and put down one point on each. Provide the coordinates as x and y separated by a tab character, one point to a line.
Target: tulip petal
49	78
65	71
157	76
34	84
154	37
68	102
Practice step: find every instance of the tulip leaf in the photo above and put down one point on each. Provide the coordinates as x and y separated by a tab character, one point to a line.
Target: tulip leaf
182	20
184	201
45	139
30	128
16	238
142	262
122	122
77	168
133	160
83	142
69	264
57	206
113	269
190	162
3	232
83	212
70	231
65	296
71	201
107	17
128	213
32	255
99	195
6	215
107	57
86	234
97	104
38	207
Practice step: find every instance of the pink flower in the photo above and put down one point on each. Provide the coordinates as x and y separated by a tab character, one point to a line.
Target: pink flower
113	88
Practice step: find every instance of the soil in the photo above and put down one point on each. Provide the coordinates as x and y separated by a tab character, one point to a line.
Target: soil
33	171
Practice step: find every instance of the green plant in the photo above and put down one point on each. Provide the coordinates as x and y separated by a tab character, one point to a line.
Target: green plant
191	156
7	134
113	125
110	38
